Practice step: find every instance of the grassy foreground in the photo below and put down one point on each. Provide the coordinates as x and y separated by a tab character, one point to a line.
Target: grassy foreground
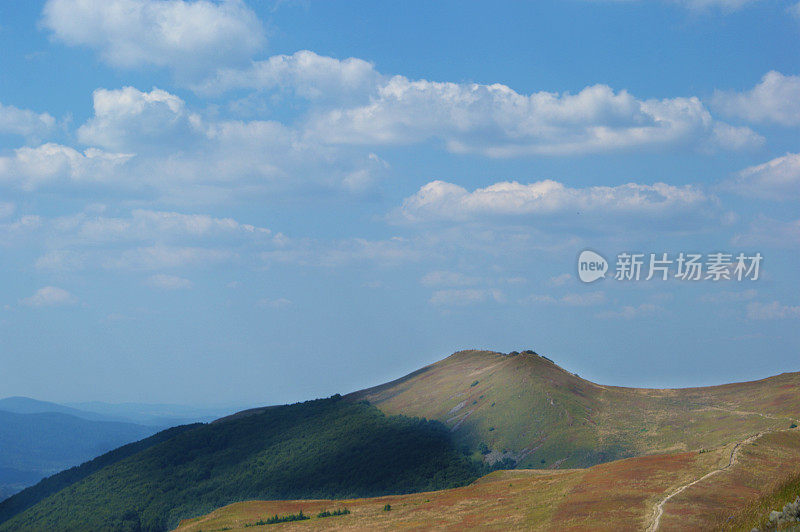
620	495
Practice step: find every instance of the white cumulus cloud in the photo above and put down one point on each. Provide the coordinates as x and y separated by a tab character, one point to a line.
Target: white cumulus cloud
24	122
128	118
778	179
30	168
496	121
776	99
357	105
439	200
304	74
187	36
178	151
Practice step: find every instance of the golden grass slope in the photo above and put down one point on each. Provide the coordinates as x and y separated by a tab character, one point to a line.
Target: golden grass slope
733	499
620	495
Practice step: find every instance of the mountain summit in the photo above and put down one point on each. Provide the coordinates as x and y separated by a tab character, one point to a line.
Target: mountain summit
525	409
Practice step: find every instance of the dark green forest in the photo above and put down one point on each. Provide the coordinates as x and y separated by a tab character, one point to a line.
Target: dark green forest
50	485
327	448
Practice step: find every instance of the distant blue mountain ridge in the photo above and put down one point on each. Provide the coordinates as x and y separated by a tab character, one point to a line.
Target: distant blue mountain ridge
40	438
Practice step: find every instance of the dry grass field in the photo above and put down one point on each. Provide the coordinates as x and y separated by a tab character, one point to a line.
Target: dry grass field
619	495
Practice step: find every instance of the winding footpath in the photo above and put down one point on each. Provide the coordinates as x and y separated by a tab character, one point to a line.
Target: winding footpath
659	509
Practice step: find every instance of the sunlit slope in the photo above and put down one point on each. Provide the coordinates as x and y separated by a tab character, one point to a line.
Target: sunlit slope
503	500
623	495
526	408
522	407
775	396
764	476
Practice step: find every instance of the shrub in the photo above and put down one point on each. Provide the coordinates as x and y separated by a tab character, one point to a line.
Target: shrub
474	384
287	518
789	514
326	513
275	519
387	508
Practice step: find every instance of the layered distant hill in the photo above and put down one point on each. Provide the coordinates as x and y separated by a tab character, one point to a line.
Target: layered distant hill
27	405
18	503
33	446
510	410
153	415
39	438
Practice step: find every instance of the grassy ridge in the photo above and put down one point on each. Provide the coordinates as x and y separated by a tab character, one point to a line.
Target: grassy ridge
523	405
526	408
323	448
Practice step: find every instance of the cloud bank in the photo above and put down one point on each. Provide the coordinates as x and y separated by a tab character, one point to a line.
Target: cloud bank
185	36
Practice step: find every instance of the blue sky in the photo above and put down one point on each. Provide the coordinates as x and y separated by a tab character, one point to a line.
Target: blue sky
262	202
